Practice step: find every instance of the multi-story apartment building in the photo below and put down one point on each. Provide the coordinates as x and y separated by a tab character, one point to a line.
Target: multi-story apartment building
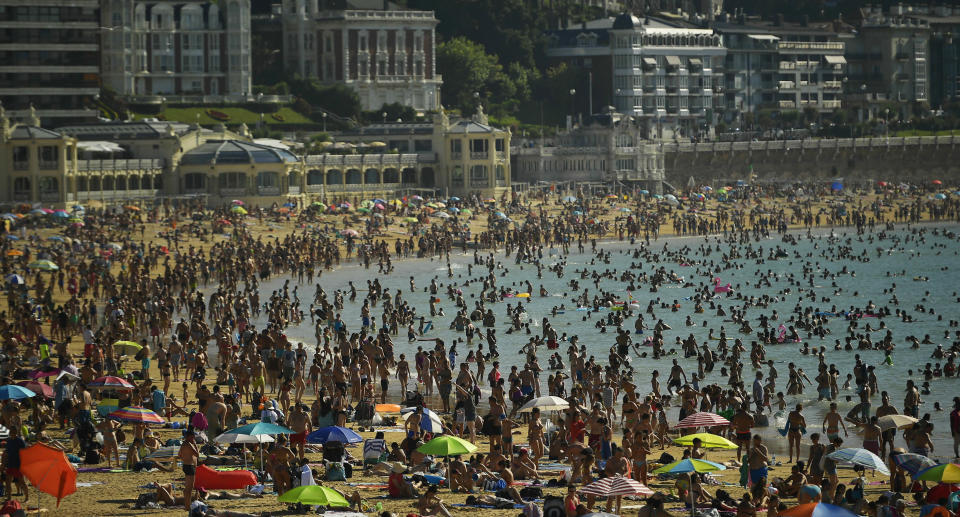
155	49
49	58
781	66
385	54
663	73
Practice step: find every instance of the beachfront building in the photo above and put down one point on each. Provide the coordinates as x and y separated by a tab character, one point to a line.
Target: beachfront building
888	61
49	59
145	161
664	73
385	53
155	50
459	157
608	149
777	66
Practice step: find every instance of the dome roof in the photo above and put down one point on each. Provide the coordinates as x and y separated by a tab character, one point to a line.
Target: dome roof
626	21
236	151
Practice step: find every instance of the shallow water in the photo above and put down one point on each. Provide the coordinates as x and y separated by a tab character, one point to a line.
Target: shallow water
871	278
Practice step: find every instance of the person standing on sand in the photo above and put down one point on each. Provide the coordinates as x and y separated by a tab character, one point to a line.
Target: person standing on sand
299	421
742	423
798	426
188	454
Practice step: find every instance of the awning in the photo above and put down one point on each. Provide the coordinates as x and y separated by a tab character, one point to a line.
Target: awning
649	61
695	61
763	37
673	61
99	146
835	60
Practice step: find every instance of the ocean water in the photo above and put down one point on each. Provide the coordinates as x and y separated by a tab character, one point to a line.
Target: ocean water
935	259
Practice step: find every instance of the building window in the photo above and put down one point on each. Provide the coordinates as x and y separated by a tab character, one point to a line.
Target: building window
456	176
194	181
478	176
456	146
423	146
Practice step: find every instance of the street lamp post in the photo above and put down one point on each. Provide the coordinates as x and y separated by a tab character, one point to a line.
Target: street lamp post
324	121
384	115
573	106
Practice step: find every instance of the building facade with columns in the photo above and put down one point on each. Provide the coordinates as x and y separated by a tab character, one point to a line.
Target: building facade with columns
385	54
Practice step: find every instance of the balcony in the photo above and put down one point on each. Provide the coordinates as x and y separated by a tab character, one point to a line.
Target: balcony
49	165
479	155
787	85
787	105
479	182
832	104
268	191
456	156
809	45
833	85
21	165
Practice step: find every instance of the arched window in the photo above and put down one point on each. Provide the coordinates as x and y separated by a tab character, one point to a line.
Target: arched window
315	177
334	177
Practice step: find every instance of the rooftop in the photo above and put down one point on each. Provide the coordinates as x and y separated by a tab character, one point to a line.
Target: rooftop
469	126
141	129
33	133
236	151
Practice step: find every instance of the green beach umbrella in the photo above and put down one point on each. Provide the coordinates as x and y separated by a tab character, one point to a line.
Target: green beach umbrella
239	210
314	495
44	265
447	446
708	440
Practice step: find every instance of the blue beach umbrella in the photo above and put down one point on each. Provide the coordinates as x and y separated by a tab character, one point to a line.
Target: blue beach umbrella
12	237
14	392
861	457
14	279
334	433
817	510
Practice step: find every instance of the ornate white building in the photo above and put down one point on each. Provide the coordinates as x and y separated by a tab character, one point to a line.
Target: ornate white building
174	48
387	55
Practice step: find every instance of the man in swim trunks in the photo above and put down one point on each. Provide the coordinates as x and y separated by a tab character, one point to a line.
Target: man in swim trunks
299	421
742	423
188	455
871	436
832	422
758	461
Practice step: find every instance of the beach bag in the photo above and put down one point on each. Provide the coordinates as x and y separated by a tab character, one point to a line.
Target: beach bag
553	507
531	492
92	457
335	472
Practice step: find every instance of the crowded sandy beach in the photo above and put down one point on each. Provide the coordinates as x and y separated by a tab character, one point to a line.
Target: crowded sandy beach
743	349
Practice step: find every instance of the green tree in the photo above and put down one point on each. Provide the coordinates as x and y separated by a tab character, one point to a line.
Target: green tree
467	69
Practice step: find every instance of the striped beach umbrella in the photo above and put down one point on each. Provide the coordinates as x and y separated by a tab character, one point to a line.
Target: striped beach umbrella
616	486
862	457
137	414
913	463
702	419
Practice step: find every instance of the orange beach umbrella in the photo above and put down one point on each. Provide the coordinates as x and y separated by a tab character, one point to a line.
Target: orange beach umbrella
48	470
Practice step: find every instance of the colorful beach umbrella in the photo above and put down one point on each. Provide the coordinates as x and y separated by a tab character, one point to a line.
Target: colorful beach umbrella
616	486
49	470
861	457
817	510
14	279
447	445
140	415
430	422
688	466
943	473
237	209
334	433
314	495
702	419
709	441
